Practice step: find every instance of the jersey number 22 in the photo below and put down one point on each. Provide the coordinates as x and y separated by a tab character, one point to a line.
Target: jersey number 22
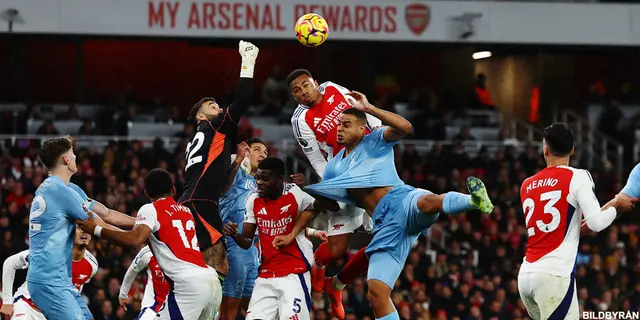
550	198
192	149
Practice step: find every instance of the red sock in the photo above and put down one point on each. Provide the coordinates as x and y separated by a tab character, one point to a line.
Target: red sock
356	266
323	255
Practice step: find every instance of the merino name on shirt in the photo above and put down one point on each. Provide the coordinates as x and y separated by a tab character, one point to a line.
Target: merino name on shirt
548	182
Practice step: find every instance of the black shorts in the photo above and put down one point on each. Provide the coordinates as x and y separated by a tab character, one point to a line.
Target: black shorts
208	222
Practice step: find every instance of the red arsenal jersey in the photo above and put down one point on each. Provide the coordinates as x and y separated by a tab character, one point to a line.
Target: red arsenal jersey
82	271
277	217
174	242
553	202
316	127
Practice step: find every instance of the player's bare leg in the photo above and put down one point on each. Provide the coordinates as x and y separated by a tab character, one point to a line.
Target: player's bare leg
229	308
216	257
379	295
454	202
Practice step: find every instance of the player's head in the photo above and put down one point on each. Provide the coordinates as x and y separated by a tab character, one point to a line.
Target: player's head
557	141
158	184
57	153
82	238
270	177
205	109
258	150
303	87
351	129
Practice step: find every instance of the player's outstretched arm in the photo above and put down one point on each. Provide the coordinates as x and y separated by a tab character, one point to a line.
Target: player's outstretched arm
140	262
113	217
9	267
399	126
244	239
244	92
133	238
595	218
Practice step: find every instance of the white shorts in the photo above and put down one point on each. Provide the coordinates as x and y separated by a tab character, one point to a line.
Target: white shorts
23	311
548	296
196	298
149	309
281	298
347	220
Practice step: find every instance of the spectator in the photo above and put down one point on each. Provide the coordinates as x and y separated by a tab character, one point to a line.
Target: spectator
481	95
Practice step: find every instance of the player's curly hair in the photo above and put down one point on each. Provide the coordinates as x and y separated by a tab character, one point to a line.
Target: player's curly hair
559	138
273	164
296	73
158	183
52	149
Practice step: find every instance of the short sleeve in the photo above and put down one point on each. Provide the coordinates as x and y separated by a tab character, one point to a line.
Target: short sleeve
373	122
376	139
147	216
72	203
304	200
249	215
90	203
632	188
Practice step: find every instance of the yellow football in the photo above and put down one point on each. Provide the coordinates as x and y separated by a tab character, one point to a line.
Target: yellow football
311	30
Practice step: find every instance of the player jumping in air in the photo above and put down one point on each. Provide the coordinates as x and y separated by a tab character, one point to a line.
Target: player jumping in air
19	305
170	229
364	174
208	157
57	205
278	209
155	291
315	123
554	201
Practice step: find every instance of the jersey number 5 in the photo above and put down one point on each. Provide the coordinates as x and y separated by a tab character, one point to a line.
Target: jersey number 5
551	198
189	226
192	149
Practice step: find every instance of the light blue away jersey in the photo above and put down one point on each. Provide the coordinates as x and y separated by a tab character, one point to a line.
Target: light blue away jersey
232	204
52	229
370	164
632	188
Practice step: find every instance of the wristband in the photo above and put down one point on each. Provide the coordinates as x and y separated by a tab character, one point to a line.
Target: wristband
310	232
246	69
97	231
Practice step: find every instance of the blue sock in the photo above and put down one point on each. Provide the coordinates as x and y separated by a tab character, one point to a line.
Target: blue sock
455	202
391	316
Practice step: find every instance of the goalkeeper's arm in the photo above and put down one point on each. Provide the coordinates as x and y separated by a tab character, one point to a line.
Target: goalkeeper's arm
244	91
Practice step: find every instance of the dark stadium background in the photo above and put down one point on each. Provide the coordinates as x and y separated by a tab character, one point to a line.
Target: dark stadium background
103	90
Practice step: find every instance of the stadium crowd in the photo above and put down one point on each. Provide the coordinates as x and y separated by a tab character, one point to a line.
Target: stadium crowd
472	277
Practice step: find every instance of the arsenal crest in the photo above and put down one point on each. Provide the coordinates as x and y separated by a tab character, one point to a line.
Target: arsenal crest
417	16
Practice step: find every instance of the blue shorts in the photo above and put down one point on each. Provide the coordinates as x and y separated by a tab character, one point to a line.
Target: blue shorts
397	223
59	302
243	271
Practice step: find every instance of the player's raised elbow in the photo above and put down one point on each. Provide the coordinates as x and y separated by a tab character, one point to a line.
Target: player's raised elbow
406	128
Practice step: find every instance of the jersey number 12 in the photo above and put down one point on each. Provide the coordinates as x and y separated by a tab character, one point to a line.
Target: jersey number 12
551	198
192	149
189	226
